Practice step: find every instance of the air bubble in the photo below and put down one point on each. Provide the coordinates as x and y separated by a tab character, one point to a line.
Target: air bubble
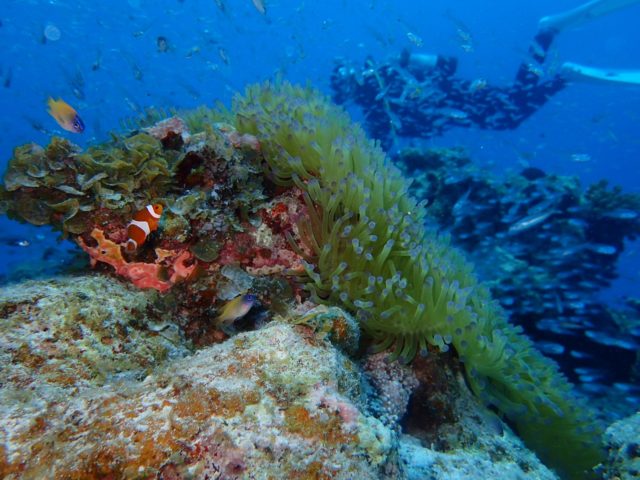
52	33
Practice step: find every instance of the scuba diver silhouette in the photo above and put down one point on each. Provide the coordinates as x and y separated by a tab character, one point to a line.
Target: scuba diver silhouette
417	95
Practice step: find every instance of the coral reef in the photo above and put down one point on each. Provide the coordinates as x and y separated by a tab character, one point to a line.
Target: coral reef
293	198
62	337
407	286
238	410
547	247
279	402
622	441
211	182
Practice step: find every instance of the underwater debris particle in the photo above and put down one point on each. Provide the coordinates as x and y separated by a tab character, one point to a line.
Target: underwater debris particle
52	33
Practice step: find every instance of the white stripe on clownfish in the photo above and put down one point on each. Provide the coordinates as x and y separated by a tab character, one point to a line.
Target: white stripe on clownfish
131	245
152	213
142	225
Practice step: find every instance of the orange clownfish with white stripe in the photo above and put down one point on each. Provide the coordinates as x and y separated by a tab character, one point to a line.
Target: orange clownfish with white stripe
144	222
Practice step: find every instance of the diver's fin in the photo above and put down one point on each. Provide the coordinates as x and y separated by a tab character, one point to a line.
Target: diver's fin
573	71
583	13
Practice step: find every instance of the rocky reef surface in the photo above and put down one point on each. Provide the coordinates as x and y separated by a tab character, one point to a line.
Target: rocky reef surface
97	383
622	440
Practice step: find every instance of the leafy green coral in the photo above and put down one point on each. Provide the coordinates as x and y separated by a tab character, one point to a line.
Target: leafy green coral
75	190
409	288
62	186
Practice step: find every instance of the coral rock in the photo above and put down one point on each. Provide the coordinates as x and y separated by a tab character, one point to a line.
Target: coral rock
394	383
264	404
167	128
62	336
622	440
96	386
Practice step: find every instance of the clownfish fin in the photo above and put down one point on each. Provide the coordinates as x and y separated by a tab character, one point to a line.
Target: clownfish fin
131	246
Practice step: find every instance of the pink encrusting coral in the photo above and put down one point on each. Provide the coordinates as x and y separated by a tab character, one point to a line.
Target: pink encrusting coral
242	141
326	396
169	127
141	274
394	384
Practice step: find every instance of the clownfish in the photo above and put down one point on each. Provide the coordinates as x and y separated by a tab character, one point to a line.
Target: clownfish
144	222
65	115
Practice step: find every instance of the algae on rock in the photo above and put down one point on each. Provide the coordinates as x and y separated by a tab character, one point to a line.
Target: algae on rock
230	408
272	403
79	332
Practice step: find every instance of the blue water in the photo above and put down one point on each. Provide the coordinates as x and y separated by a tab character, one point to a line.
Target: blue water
108	53
300	40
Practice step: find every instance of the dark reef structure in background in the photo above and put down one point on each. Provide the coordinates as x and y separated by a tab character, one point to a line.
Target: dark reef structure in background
286	198
547	246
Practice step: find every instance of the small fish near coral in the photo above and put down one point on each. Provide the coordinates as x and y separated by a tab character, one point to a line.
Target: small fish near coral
235	309
144	222
65	115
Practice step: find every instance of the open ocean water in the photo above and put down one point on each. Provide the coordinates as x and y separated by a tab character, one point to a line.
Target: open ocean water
111	60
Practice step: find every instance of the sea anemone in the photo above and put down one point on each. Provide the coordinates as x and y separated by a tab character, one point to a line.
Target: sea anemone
407	286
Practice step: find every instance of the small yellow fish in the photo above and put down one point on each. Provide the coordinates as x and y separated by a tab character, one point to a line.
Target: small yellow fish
235	309
65	115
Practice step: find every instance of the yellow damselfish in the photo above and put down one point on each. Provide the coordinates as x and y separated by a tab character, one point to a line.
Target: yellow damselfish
65	115
235	309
